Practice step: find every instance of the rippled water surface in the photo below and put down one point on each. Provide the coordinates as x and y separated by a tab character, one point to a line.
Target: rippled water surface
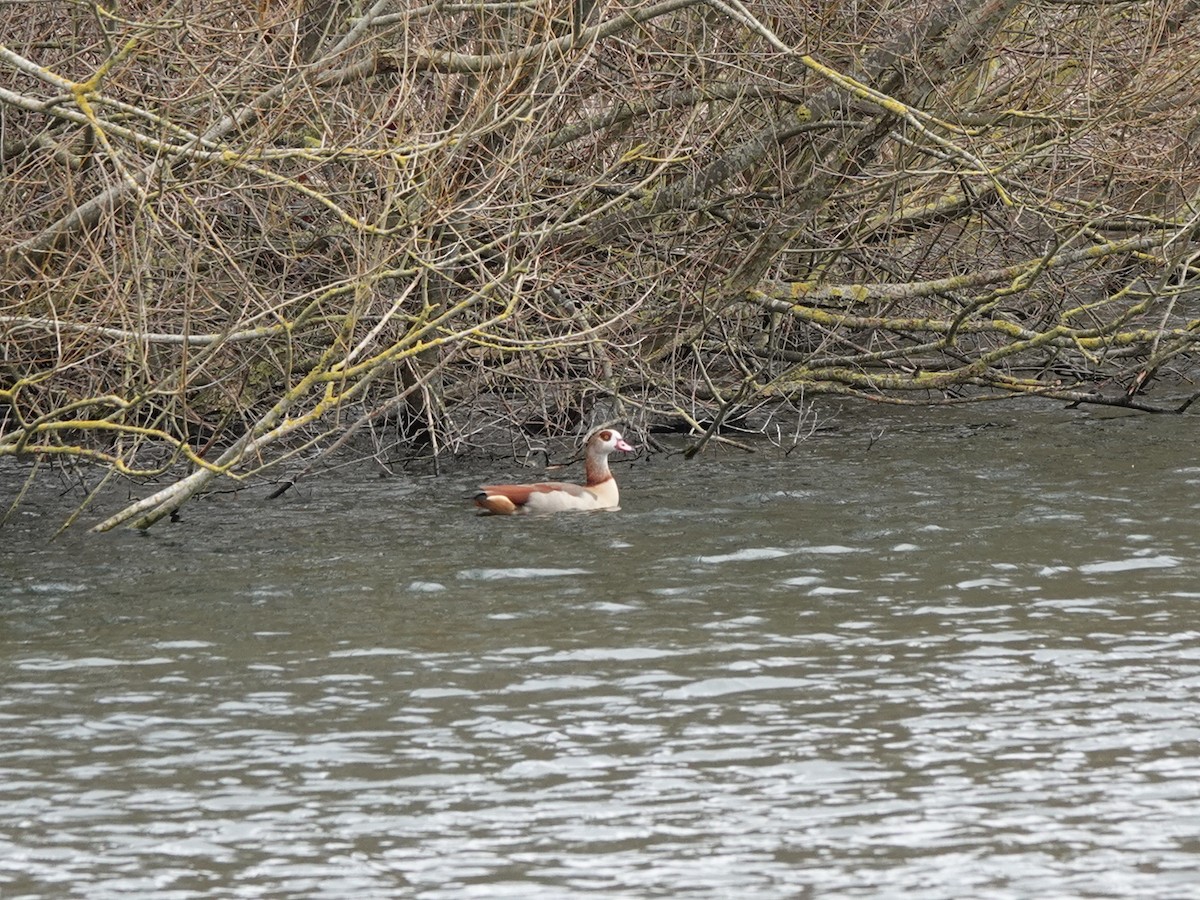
938	655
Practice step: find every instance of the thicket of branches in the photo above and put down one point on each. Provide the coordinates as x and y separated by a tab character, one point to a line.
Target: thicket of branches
233	234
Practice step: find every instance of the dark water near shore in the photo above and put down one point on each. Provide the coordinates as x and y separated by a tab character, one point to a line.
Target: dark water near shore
939	654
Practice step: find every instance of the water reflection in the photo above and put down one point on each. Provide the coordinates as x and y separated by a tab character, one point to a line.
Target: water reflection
962	664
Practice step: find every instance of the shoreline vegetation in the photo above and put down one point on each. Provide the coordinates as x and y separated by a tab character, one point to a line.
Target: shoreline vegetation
238	239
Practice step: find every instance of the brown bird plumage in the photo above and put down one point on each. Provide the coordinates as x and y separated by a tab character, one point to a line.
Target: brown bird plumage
599	490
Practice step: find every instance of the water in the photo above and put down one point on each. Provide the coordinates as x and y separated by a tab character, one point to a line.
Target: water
940	654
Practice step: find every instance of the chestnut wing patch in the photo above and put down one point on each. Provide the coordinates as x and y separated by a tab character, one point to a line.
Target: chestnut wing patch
506	498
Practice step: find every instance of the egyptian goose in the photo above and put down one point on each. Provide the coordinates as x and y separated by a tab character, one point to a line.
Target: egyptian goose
599	491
